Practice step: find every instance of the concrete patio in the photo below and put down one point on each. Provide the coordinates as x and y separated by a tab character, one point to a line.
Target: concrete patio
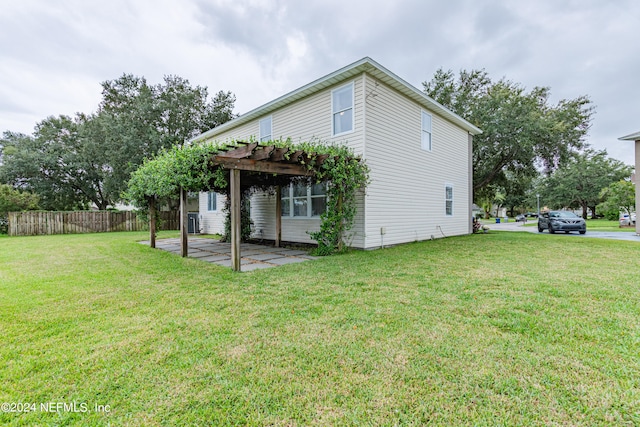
253	256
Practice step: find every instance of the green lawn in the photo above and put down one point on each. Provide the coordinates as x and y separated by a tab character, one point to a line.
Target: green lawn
606	225
490	329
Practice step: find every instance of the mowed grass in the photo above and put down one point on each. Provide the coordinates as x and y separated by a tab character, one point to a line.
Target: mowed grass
490	329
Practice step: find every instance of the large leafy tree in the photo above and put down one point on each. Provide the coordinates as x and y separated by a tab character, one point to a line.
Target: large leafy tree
619	196
43	163
137	120
522	131
579	182
88	159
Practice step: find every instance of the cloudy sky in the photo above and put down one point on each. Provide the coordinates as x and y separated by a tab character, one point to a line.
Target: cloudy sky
54	54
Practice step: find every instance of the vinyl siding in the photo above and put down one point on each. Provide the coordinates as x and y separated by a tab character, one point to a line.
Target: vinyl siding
407	190
308	119
211	222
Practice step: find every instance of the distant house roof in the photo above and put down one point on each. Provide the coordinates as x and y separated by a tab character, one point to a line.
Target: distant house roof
632	137
367	65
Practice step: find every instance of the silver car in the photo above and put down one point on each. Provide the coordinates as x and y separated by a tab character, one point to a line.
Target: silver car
561	221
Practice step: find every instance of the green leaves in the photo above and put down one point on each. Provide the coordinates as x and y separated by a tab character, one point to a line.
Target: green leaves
521	130
162	177
346	175
619	196
88	159
12	200
188	167
578	183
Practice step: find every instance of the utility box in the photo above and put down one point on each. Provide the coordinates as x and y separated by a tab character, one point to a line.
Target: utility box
193	223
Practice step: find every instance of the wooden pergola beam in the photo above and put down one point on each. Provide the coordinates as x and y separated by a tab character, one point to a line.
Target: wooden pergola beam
264	166
241	152
278	154
263	153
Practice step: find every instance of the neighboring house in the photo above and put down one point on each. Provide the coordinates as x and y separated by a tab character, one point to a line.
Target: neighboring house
418	152
636	138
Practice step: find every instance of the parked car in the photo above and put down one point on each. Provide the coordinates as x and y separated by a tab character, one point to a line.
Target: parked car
624	219
561	221
521	217
532	214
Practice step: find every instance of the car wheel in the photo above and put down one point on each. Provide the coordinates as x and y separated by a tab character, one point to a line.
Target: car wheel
551	230
540	230
583	231
566	232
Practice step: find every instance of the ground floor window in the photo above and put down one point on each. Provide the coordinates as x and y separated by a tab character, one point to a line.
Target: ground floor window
212	202
300	200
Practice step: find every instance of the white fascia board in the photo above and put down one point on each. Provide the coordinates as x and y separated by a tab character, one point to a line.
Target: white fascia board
632	137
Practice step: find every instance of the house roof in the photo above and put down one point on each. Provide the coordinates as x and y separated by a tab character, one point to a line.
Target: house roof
632	137
367	65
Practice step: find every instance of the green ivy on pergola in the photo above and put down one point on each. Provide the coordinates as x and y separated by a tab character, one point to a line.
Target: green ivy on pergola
231	168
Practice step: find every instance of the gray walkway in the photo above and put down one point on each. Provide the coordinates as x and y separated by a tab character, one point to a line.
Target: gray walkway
253	256
614	235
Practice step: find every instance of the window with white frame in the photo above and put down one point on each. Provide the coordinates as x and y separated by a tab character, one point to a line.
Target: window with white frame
265	129
342	109
448	199
212	201
300	200
426	131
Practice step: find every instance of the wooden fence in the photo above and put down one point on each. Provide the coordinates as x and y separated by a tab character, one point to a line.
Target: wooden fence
37	223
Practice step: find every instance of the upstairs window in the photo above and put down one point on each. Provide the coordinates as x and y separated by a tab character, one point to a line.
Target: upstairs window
448	200
342	109
426	131
265	129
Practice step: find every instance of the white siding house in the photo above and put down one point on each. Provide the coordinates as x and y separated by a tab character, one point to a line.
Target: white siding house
419	154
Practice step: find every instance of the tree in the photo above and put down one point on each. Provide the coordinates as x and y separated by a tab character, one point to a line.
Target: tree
619	196
522	132
579	182
75	162
40	163
12	200
137	120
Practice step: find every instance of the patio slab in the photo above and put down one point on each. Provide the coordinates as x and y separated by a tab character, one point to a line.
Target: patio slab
254	257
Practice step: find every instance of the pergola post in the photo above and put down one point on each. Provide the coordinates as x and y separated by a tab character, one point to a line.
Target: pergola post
235	219
184	249
152	222
278	216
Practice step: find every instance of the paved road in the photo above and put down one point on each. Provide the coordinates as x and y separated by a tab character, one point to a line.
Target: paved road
615	235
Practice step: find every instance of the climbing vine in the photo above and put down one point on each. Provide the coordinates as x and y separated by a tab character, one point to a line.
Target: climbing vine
345	176
189	167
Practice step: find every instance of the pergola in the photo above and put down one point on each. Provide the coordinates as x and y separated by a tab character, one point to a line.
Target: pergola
250	164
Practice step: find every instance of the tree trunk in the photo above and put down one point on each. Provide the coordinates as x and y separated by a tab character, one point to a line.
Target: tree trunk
584	210
593	212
